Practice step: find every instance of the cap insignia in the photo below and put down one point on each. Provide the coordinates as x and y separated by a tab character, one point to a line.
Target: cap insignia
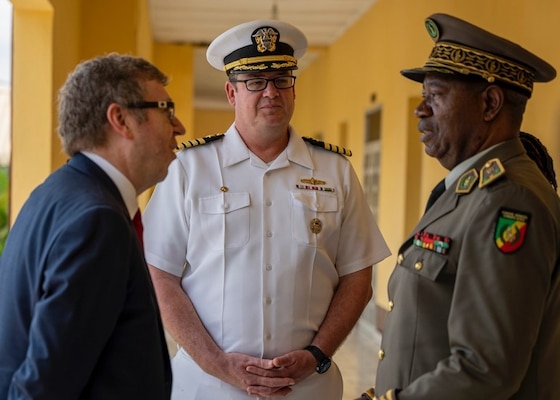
265	39
511	230
491	171
432	29
467	181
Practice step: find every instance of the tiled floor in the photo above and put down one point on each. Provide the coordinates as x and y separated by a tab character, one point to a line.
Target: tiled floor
356	358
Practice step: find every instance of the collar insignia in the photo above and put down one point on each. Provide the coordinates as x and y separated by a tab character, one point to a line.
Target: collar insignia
467	181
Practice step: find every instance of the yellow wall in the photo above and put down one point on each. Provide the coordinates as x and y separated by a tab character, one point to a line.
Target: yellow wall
65	56
176	60
31	97
50	38
338	86
210	122
335	90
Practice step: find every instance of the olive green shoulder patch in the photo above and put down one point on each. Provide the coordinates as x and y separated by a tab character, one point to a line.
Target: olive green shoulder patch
467	181
491	171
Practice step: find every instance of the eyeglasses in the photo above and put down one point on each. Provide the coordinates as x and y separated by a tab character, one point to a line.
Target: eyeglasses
164	105
258	84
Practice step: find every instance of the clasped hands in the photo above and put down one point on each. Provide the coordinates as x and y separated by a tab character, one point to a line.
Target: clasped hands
267	377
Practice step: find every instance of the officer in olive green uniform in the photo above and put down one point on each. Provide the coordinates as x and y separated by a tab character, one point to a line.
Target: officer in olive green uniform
475	294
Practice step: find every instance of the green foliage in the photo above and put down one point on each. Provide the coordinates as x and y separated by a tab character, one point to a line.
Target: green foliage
4	196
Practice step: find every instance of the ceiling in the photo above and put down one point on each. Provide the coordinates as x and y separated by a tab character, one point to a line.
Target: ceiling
198	22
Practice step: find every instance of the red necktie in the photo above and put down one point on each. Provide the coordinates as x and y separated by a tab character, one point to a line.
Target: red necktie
137	221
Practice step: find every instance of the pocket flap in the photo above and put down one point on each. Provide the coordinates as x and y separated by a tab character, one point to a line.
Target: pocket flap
224	203
424	263
317	201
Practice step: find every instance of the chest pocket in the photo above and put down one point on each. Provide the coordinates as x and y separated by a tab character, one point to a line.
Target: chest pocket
314	216
426	263
225	219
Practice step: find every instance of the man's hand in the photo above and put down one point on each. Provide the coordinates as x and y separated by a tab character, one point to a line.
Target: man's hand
254	375
295	366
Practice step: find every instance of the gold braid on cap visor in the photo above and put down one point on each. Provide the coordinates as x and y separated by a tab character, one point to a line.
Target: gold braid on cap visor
252	63
465	60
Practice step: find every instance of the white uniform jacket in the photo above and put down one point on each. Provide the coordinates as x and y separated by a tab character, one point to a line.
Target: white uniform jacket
260	248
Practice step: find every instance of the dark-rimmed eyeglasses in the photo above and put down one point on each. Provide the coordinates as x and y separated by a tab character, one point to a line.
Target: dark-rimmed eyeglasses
164	105
258	84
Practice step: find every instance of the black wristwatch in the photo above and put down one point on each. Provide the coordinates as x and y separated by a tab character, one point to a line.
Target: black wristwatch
323	362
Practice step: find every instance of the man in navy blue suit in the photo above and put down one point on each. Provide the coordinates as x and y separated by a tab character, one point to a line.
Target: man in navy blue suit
78	314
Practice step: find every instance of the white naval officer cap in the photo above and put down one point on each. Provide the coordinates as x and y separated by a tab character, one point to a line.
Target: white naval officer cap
261	45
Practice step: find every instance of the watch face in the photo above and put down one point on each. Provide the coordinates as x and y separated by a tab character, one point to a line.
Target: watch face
323	366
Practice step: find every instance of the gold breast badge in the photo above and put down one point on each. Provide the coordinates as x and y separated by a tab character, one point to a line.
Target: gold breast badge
312	181
316	225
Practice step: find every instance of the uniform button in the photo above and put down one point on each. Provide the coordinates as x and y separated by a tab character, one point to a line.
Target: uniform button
269	267
268	203
268	300
226	206
268	336
400	259
418	266
391	305
268	234
381	354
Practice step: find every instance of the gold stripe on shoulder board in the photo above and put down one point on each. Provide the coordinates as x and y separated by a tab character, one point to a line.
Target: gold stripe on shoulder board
327	146
199	141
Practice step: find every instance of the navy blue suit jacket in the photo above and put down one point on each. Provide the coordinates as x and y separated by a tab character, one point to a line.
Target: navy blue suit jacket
78	314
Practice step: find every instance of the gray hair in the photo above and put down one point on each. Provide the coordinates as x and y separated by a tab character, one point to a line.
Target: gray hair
90	89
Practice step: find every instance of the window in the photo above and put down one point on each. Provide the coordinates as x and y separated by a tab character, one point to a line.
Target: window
372	158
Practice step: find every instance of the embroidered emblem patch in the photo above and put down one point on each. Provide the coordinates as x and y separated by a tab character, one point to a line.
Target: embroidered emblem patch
511	230
433	242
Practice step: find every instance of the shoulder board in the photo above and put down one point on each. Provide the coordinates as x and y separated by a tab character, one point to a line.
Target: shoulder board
492	170
328	146
199	141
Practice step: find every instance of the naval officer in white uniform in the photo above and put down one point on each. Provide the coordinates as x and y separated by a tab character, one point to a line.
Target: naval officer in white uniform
260	242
